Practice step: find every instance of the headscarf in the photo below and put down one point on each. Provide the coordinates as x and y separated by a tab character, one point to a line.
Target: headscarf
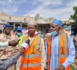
58	22
7	26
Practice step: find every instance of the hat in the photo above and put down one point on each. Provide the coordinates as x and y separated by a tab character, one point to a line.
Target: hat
7	26
58	22
19	29
32	23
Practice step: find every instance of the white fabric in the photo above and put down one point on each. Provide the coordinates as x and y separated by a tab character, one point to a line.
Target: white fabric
24	45
3	44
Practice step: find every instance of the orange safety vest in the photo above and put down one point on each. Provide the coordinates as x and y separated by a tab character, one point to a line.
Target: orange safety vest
63	53
48	40
32	56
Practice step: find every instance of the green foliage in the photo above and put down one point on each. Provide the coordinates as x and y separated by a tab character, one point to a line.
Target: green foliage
74	16
72	67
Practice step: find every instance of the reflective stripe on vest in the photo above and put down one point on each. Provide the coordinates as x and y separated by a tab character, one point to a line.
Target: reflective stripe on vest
48	56
30	65
31	56
63	55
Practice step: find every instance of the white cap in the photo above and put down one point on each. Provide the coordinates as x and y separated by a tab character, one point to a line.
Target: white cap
32	23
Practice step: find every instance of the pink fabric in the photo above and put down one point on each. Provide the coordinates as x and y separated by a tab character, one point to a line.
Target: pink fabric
24	32
15	33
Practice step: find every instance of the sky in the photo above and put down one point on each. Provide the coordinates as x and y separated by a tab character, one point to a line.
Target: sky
59	9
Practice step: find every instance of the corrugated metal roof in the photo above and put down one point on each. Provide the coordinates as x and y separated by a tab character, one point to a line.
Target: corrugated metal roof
16	21
3	22
43	23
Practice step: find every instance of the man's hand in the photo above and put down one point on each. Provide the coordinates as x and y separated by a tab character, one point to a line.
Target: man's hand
13	43
57	69
25	44
61	67
21	50
28	41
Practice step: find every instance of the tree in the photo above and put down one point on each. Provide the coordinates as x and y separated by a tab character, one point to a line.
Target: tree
74	16
36	17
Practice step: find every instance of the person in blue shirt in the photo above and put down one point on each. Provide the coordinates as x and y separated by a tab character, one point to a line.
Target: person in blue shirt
58	45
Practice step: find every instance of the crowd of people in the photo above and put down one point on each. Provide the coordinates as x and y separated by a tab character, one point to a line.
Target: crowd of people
29	49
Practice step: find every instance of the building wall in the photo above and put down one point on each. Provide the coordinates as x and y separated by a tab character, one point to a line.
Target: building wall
4	17
17	18
27	19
